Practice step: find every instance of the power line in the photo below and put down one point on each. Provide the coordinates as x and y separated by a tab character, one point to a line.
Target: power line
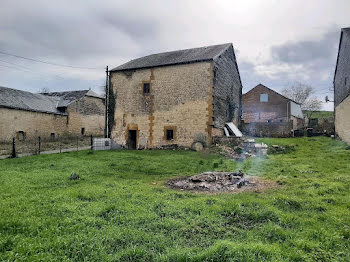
14	64
45	62
26	69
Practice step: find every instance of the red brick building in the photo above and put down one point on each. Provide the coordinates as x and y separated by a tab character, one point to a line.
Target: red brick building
264	105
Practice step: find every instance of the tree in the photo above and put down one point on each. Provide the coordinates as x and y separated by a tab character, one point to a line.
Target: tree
44	90
303	94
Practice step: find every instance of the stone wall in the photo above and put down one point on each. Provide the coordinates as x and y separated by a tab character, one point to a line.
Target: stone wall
227	90
33	124
180	99
342	120
86	113
273	129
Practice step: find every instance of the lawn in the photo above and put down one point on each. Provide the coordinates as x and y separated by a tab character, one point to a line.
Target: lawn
321	115
120	210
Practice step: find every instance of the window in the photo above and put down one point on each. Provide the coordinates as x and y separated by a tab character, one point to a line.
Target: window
20	135
264	97
169	134
146	88
83	131
52	136
345	80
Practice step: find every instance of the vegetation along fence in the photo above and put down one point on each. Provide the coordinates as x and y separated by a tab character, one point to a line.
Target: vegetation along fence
39	145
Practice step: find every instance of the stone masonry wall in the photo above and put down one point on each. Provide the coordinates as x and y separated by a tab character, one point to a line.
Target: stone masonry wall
227	90
33	124
180	98
342	120
86	113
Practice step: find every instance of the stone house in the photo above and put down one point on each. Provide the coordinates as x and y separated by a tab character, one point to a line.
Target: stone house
342	87
272	111
26	115
176	98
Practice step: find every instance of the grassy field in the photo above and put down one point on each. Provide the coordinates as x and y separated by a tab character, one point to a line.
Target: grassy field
321	115
120	210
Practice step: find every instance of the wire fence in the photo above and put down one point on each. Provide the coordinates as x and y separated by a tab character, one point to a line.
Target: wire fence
39	145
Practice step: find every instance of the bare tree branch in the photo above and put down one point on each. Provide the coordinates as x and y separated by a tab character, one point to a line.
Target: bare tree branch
302	94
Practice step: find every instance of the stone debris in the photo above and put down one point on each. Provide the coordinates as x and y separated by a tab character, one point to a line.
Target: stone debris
212	182
248	148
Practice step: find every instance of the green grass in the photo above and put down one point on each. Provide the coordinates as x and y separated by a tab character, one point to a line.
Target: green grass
321	115
119	209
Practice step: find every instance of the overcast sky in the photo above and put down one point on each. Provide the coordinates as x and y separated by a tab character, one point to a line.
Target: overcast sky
277	42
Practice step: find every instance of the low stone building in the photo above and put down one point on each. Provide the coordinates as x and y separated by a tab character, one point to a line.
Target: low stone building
268	113
342	87
25	115
177	97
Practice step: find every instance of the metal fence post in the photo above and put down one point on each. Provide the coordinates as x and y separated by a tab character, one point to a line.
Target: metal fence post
92	143
13	154
59	143
39	139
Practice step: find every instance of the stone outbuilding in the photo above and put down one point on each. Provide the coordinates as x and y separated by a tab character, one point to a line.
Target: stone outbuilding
268	113
176	98
26	115
342	87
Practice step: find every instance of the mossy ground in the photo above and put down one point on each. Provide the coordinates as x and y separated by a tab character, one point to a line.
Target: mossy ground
119	209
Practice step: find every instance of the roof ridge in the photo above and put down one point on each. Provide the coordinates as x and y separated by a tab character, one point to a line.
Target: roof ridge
182	56
186	49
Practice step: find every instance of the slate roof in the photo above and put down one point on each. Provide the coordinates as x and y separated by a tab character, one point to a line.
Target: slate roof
185	56
18	99
45	102
342	91
68	97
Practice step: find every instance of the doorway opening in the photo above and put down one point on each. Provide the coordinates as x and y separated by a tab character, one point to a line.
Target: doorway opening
132	139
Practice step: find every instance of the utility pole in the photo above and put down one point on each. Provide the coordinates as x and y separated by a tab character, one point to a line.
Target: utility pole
107	102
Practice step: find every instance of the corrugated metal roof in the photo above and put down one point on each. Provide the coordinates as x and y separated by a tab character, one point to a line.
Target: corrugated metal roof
175	57
18	99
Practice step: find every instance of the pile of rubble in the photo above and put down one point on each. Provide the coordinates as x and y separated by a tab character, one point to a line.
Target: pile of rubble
212	182
246	149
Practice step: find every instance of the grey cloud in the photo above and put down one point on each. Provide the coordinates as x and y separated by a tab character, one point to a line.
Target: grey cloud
308	51
96	32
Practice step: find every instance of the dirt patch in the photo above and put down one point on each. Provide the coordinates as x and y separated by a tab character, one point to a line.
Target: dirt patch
215	182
